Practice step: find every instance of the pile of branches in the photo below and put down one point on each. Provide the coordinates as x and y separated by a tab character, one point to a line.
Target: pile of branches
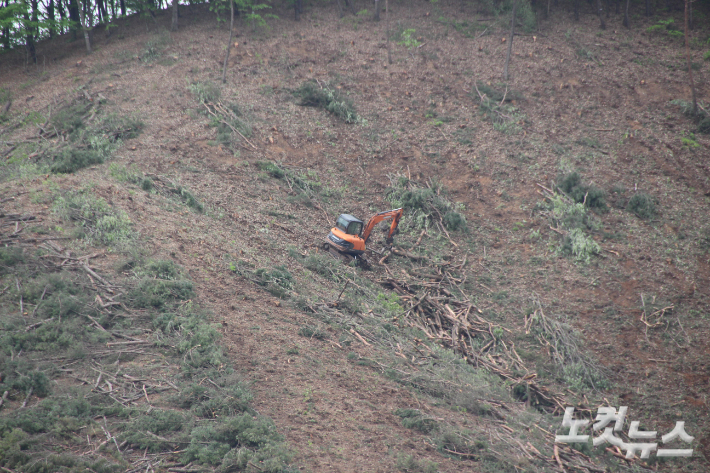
11	227
456	322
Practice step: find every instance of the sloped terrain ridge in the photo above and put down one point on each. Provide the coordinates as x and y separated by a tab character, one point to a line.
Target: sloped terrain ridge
165	304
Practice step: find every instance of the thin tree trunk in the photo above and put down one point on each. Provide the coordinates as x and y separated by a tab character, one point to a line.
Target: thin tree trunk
627	23
576	10
341	13
602	25
74	16
350	4
510	42
29	39
687	57
62	15
6	33
387	20
104	12
297	9
690	15
648	7
229	44
378	3
50	16
87	40
174	26
123	7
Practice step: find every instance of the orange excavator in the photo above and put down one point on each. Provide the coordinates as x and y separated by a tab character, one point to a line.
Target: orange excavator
348	238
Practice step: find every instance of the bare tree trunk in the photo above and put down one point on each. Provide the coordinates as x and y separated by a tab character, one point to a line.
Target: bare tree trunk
627	23
29	40
229	44
648	7
50	15
576	10
378	4
602	25
298	9
387	20
690	15
687	57
174	26
341	13
350	4
510	42
82	15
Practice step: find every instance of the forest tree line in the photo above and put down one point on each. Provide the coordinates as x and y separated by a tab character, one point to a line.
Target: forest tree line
23	23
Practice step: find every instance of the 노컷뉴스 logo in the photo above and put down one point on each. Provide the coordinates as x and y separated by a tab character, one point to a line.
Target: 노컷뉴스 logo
605	415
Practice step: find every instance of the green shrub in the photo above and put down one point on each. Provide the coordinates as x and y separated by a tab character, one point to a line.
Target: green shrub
582	246
272	169
311	94
424	206
147	184
505	117
158	293
187	198
592	196
100	223
454	221
642	205
451	439
10	256
704	126
408	39
665	26
278	281
231	398
409	464
413	419
72	159
235	441
325	266
497	95
311	331
205	92
89	142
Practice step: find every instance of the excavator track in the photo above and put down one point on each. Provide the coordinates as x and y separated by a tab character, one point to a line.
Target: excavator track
343	257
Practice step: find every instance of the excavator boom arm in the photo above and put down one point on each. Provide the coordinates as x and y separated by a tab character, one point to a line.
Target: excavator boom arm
394	215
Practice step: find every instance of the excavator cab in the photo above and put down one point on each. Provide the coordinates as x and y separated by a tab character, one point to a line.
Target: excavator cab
349	236
349	224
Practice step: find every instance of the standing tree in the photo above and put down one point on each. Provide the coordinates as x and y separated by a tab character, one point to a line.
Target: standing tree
602	25
378	4
174	26
387	21
510	42
626	15
687	58
50	17
298	9
229	44
28	26
85	28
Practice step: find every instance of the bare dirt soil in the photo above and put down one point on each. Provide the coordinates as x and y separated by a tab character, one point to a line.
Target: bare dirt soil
593	101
